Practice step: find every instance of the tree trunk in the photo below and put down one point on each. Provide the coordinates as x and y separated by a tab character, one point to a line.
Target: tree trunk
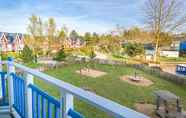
155	59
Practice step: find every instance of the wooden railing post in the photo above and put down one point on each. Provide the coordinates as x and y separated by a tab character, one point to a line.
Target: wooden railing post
67	103
29	80
11	69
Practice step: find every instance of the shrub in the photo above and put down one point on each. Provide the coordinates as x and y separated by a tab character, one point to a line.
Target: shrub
133	49
27	55
4	56
60	56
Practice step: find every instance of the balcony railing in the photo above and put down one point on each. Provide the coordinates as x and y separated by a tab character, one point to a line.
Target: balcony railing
21	97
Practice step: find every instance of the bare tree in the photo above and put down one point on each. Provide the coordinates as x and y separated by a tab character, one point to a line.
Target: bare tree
164	16
35	30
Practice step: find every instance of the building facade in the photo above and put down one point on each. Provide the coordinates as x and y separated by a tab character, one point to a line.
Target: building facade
11	42
74	43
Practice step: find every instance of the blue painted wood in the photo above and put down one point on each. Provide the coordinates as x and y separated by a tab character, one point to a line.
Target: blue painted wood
4	100
43	107
56	111
33	105
49	110
50	101
74	114
37	105
45	95
19	95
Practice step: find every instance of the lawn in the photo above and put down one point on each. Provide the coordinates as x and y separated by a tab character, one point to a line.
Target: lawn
111	87
173	59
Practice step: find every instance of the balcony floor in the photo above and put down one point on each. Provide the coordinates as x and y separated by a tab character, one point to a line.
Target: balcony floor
5	115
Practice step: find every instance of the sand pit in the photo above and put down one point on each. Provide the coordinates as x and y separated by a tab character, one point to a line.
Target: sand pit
91	72
147	109
142	82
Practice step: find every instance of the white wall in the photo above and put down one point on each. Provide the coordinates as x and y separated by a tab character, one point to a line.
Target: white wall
169	53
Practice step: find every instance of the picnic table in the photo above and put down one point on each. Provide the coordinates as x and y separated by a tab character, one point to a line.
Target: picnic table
168	105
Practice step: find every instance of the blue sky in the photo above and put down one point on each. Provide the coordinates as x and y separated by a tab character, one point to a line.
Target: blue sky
82	15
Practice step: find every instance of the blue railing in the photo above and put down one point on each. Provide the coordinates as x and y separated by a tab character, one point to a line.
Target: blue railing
4	90
19	95
29	101
44	105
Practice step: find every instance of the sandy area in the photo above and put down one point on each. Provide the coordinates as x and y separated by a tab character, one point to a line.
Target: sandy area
91	72
147	109
141	82
170	69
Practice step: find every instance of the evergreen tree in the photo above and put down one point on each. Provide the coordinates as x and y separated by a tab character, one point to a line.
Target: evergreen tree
27	55
60	56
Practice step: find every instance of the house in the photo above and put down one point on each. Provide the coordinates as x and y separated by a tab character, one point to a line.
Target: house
170	51
177	48
11	42
74	43
149	51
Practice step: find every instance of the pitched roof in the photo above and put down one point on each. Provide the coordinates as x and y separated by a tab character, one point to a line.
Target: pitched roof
11	36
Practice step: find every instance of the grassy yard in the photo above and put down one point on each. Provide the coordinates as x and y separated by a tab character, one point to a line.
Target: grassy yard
111	87
173	59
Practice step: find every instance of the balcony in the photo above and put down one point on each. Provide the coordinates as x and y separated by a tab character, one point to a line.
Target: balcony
21	98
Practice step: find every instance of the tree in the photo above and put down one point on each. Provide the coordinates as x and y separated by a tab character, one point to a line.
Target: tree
87	38
35	31
109	44
62	35
133	49
92	54
27	55
164	16
95	38
60	56
74	35
51	32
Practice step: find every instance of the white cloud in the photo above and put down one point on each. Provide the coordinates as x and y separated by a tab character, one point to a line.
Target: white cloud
16	19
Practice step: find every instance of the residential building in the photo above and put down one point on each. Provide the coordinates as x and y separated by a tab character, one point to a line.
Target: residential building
11	42
74	43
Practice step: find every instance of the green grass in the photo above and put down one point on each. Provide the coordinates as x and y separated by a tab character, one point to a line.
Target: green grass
111	87
33	65
173	59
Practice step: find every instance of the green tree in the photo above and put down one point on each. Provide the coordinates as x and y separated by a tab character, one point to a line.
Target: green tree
62	35
60	56
87	37
27	55
133	49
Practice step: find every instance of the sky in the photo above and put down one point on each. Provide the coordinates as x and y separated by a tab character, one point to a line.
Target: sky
82	15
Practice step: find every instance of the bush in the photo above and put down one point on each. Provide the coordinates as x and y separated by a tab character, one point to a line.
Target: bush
4	56
27	55
133	49
92	54
60	56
